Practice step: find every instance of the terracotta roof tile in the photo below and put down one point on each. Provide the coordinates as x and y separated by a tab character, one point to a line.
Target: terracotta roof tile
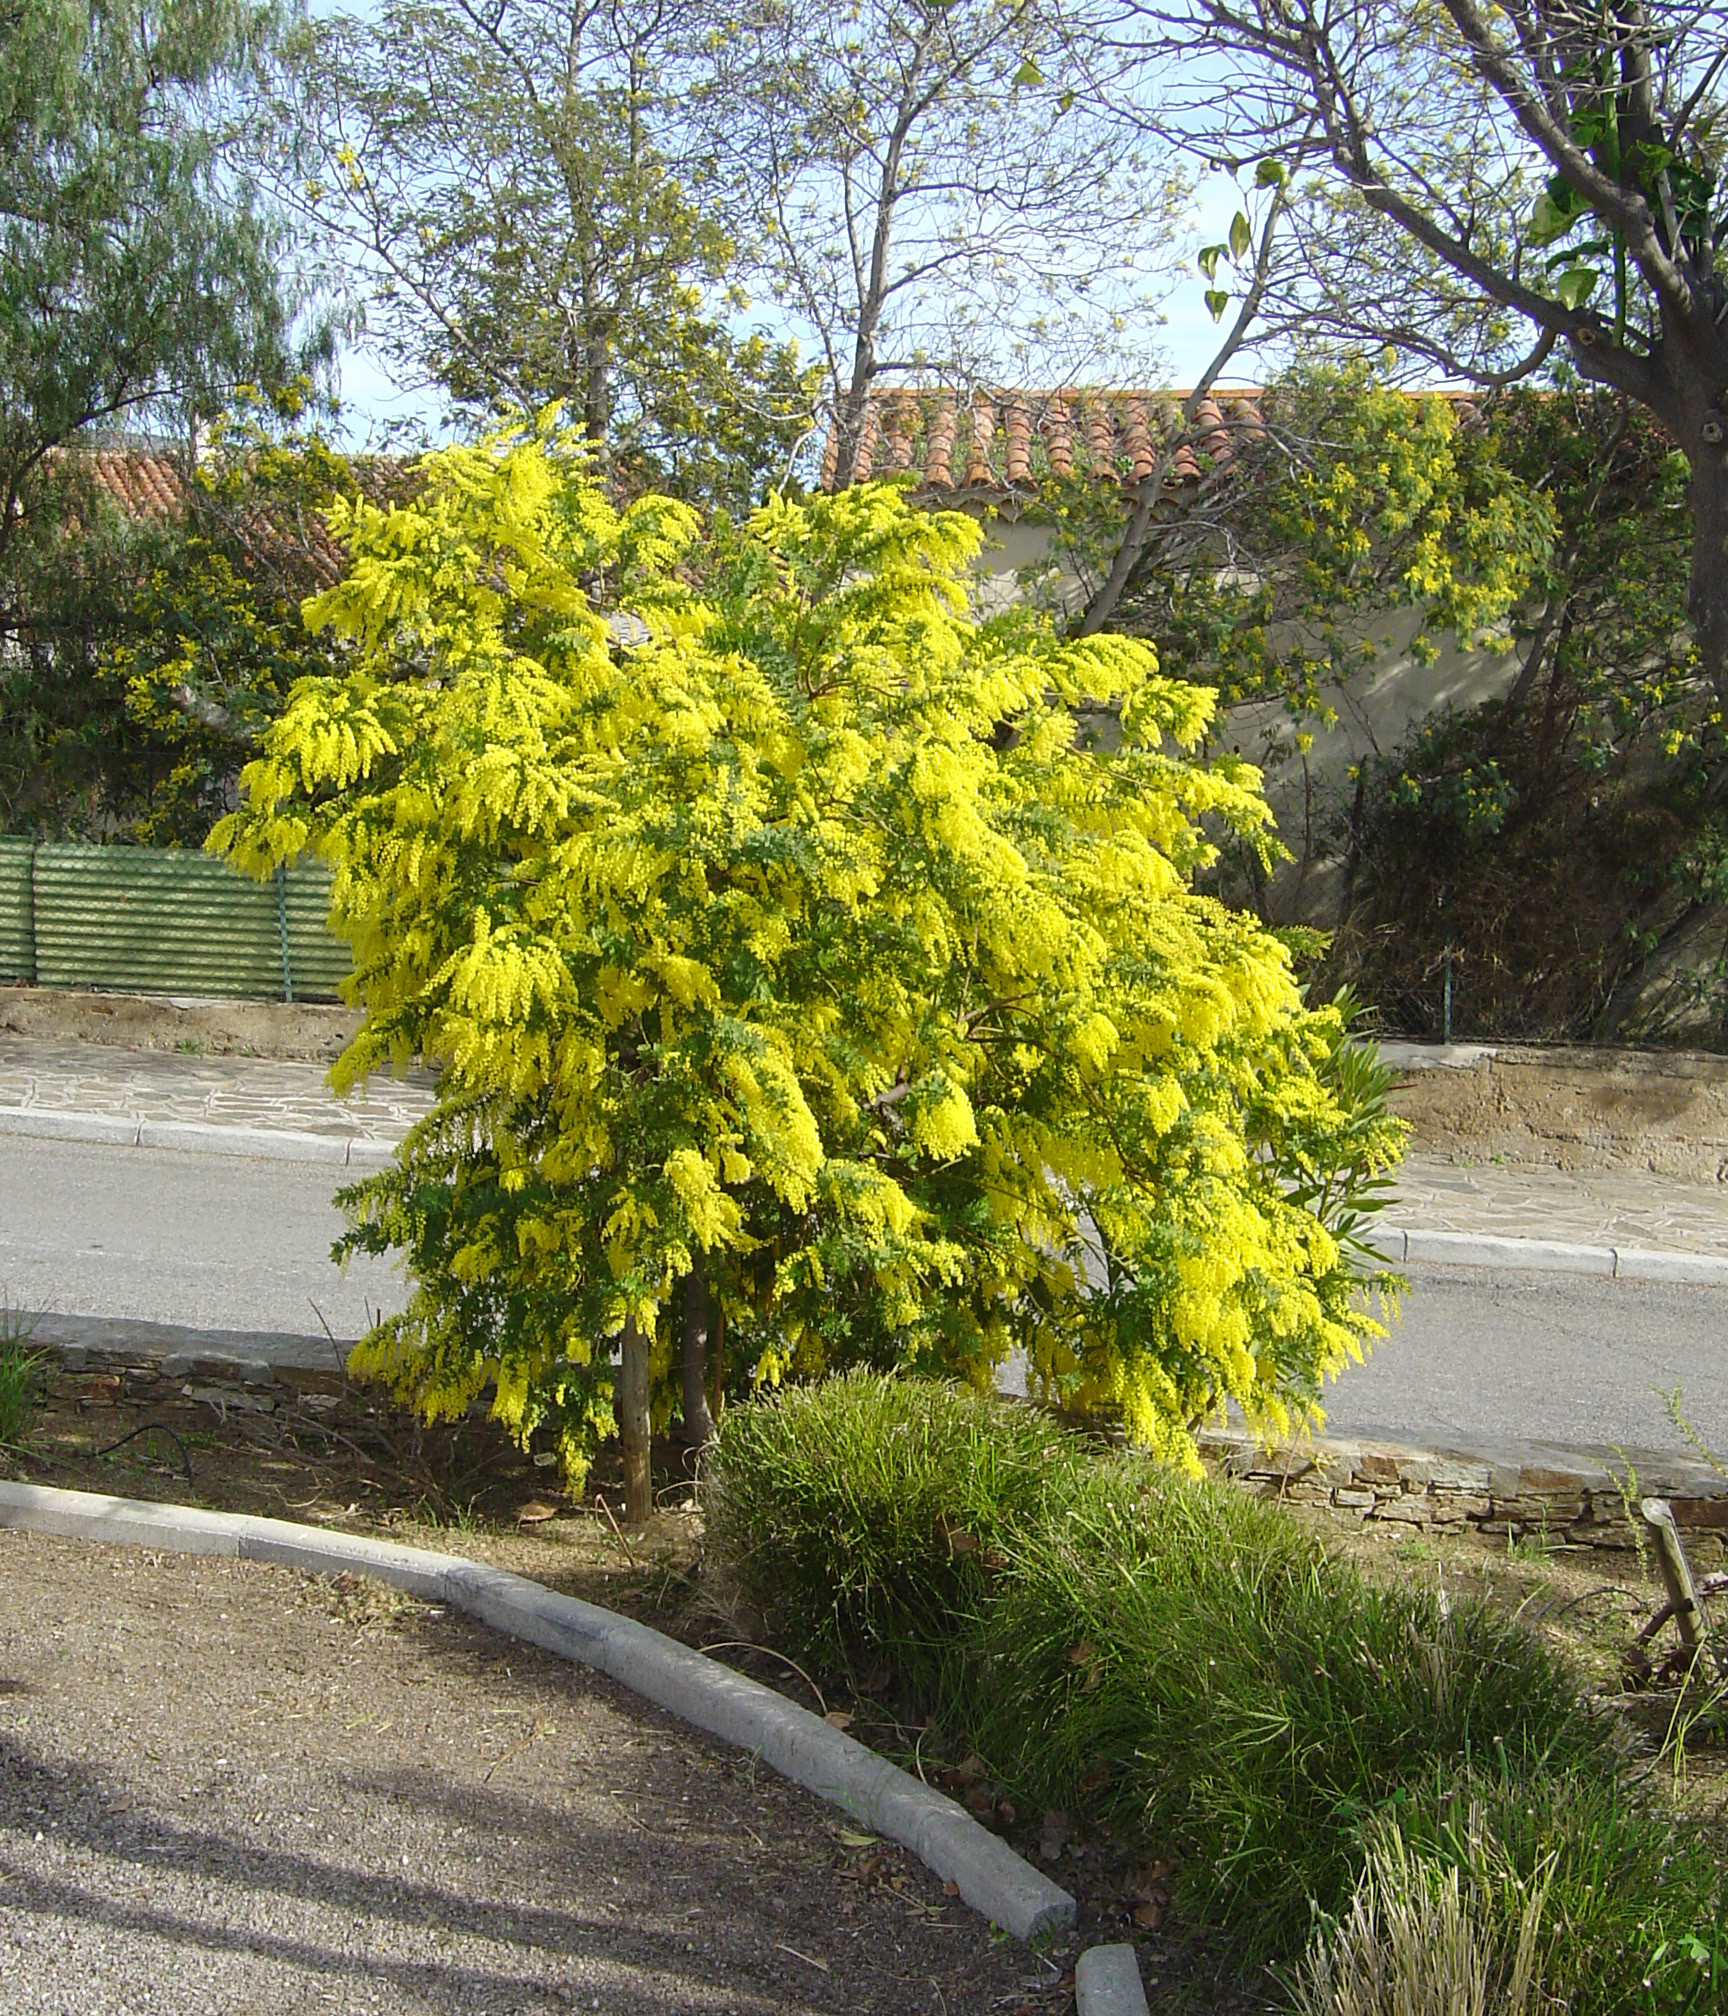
150	483
1003	443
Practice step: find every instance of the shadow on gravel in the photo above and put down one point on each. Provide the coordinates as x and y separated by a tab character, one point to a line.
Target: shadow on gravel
87	1810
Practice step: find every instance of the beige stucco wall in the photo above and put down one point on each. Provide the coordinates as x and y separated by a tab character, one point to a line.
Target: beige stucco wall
1375	711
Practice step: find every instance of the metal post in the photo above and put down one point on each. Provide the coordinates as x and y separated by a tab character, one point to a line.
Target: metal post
1446	1004
282	930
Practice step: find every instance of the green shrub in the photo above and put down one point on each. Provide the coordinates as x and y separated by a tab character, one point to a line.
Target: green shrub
1635	1908
1189	1662
858	1516
1251	1698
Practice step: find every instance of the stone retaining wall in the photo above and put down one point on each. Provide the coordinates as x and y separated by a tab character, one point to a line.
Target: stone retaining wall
1570	1108
1504	1493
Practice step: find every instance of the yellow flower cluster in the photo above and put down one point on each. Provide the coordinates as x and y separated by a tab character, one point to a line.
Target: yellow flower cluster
765	916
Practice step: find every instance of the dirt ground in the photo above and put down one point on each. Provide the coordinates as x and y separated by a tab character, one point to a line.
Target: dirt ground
228	1787
345	1461
312	1031
1661	1111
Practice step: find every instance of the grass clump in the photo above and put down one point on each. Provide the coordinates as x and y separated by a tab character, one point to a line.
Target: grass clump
1422	1940
863	1518
1245	1696
20	1378
1343	1772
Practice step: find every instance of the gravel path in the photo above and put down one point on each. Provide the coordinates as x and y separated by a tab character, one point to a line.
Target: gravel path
227	1787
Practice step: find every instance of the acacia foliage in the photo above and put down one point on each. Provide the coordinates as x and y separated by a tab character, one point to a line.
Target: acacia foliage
1345	498
765	916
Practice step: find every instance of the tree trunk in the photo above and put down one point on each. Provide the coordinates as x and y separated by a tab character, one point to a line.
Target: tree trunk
630	1404
698	1421
1707	593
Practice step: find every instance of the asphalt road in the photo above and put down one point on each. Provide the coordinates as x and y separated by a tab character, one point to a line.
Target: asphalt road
1568	1358
225	1243
213	1242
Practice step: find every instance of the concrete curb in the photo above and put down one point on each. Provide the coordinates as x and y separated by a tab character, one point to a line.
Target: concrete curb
199	1137
1401	1246
801	1746
1107	1983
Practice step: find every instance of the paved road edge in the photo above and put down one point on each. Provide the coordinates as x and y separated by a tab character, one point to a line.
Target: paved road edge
196	1137
1398	1244
1404	1246
801	1746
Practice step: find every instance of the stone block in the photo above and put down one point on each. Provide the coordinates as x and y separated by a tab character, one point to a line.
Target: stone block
1351	1499
1446	1473
1375	1467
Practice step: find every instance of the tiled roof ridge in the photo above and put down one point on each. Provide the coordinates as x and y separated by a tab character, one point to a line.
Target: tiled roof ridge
151	482
1001	443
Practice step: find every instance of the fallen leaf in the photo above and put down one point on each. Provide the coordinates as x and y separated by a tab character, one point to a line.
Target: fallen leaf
959	1540
534	1513
970	1769
981	1804
857	1840
1007	1812
950	1889
1150	1884
1055	1831
1149	1916
838	1718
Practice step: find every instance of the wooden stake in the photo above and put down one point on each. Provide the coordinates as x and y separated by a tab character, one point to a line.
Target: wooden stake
630	1404
1683	1598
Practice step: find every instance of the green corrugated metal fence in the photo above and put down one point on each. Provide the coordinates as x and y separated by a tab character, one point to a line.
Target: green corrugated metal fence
162	921
17	911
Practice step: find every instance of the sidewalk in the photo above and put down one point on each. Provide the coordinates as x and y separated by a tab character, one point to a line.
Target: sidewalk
1601	1207
262	1106
265	1107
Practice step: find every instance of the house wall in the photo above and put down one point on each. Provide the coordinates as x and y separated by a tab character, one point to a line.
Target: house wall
1310	794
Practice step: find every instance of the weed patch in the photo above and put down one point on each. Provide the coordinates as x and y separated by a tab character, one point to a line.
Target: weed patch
20	1378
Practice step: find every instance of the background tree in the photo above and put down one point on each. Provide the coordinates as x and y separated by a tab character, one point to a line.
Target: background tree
152	649
138	272
1341	499
1565	846
1513	184
521	190
927	191
761	977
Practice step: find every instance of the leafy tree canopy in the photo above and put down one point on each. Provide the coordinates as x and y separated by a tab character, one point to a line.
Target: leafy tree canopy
134	267
1503	185
520	186
755	953
1565	846
148	652
1348	497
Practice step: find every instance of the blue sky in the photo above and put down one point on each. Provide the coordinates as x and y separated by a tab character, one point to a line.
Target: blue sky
372	400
